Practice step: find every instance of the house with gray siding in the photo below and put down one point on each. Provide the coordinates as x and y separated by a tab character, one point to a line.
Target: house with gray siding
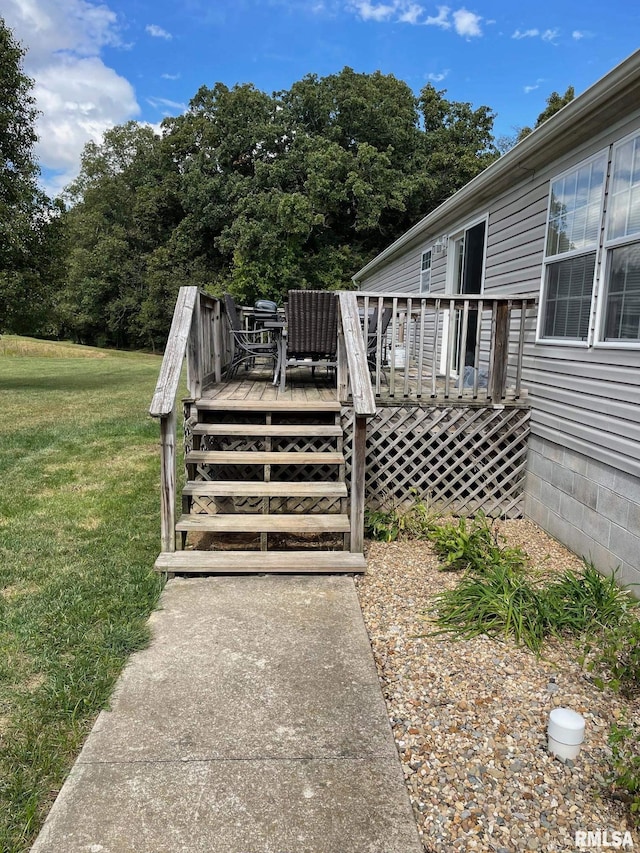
558	218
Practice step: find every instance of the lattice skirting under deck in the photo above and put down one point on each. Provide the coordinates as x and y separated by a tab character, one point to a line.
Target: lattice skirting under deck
458	459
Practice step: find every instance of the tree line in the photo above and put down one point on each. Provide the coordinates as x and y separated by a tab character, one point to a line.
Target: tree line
246	192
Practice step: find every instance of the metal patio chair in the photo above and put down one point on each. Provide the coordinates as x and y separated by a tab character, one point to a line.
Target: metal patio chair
248	345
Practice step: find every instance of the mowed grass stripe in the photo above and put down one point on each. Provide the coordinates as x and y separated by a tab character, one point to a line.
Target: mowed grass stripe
79	533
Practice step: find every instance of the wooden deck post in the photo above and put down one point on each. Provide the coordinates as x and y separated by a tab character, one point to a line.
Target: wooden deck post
217	342
358	465
168	481
499	351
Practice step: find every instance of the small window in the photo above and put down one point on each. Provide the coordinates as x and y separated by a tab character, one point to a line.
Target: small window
622	309
621	291
567	304
573	231
425	272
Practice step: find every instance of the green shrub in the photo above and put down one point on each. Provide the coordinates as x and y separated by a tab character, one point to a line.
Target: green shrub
473	545
389	522
499	602
499	598
624	741
382	525
586	600
615	657
463	545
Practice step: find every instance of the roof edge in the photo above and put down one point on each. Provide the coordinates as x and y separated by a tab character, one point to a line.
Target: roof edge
599	92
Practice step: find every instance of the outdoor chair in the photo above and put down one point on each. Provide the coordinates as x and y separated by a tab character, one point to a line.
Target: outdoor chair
372	337
312	330
247	344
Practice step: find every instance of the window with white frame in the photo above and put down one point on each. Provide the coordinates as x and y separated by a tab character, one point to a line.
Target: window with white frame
585	240
620	308
425	272
573	236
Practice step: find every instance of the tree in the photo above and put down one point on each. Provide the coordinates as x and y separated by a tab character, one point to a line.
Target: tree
29	227
257	194
555	103
121	210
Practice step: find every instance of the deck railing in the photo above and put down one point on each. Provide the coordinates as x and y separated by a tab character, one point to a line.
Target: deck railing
461	347
454	348
197	331
354	382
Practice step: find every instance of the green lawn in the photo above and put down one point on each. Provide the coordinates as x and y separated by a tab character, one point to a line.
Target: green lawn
79	531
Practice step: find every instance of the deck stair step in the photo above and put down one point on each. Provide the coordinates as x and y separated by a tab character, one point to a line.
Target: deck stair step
248	488
268	406
264	523
260	457
250	562
277	430
275	494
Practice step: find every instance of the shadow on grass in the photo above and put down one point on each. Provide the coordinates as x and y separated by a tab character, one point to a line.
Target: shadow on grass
69	382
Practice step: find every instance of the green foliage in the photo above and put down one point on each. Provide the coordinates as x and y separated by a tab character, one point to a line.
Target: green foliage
499	601
587	599
257	194
389	522
470	544
624	741
616	657
79	533
555	102
382	525
30	245
498	597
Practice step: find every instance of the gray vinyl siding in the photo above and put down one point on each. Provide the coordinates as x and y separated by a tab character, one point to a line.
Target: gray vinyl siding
584	399
402	275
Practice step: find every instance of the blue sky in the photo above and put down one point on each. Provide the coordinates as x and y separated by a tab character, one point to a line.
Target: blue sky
96	64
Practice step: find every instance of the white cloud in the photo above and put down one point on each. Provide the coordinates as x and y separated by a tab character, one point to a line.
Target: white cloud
525	34
79	99
67	25
166	76
581	34
533	86
158	103
157	32
439	77
370	12
467	23
441	19
546	35
78	95
411	14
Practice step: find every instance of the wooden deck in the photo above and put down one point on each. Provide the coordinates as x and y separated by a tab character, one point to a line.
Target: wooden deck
302	385
257	384
381	427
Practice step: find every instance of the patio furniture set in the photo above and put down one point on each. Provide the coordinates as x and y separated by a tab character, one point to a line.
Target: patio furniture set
303	334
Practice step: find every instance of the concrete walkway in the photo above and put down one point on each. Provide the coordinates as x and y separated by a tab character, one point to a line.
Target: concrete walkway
254	723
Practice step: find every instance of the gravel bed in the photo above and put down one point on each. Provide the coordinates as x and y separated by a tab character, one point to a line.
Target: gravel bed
469	716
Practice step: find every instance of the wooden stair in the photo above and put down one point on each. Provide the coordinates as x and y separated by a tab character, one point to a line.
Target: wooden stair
268	469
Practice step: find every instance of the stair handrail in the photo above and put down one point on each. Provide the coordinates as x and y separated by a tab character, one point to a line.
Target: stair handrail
353	370
163	406
164	397
353	373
